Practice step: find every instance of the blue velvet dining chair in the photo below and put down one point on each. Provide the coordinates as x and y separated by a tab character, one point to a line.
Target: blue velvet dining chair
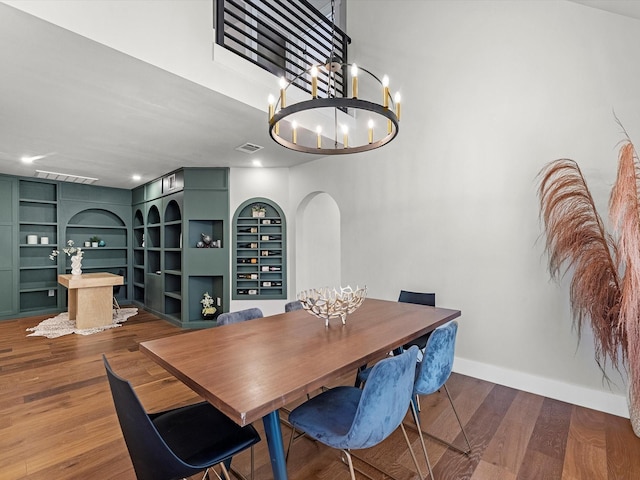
432	374
239	316
176	443
349	418
292	306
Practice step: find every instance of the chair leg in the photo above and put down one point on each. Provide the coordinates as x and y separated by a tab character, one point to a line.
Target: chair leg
455	412
350	463
449	444
415	461
291	438
225	472
237	473
416	418
375	467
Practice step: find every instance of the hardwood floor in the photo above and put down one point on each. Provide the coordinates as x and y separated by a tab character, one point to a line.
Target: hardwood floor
57	420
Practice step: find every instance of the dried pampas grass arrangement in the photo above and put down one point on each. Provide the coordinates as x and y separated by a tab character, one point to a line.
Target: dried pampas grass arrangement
605	287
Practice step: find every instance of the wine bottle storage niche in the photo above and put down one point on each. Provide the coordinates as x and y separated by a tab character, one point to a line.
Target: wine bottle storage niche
259	251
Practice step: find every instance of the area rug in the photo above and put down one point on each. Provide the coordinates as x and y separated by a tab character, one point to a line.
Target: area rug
61	325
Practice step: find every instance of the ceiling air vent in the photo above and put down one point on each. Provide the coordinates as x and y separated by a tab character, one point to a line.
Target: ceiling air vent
249	148
65	177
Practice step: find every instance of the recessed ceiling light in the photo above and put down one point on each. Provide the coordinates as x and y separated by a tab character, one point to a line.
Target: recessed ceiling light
257	163
136	177
32	158
28	159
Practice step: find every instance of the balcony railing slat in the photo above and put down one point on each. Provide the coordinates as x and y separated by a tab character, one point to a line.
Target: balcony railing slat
283	38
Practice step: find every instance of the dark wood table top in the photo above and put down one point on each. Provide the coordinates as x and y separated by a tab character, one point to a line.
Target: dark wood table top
250	369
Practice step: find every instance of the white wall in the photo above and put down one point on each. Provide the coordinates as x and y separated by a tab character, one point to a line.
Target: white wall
492	91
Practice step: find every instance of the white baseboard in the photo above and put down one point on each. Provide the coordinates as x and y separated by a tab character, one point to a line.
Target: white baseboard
614	404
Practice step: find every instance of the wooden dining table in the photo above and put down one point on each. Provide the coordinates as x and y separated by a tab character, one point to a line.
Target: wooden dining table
249	370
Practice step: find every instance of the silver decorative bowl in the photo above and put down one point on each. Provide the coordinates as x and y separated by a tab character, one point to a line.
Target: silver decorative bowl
329	303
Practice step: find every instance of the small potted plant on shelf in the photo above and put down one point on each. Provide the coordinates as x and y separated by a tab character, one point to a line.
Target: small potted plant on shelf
258	210
94	241
208	310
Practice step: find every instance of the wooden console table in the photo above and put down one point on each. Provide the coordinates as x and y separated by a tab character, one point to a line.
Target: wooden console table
91	298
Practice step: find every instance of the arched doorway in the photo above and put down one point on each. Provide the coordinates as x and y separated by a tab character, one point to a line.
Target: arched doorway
318	256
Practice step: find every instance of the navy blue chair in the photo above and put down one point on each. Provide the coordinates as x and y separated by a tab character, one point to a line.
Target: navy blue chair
239	316
431	375
176	443
349	418
292	306
419	299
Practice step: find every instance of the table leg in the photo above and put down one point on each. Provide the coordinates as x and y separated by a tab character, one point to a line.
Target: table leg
276	448
73	303
94	307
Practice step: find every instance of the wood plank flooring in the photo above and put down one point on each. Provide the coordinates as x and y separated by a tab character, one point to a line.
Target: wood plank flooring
57	420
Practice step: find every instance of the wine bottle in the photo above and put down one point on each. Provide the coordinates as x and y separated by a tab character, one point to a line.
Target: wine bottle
249	230
248	245
248	276
271	221
244	291
265	238
247	260
271	284
270	253
270	268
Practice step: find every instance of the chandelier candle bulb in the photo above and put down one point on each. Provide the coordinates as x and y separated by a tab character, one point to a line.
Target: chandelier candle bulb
283	94
354	81
385	91
370	125
345	136
314	82
294	132
319	132
397	102
272	106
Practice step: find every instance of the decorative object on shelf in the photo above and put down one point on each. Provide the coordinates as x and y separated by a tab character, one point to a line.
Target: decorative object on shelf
605	288
44	240
87	244
296	133
76	257
258	210
208	310
32	239
95	240
208	242
329	303
102	243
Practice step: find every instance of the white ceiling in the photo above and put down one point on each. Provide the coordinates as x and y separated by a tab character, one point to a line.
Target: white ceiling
96	112
628	8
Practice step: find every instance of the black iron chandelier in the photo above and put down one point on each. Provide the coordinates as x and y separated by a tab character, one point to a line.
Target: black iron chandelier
351	124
